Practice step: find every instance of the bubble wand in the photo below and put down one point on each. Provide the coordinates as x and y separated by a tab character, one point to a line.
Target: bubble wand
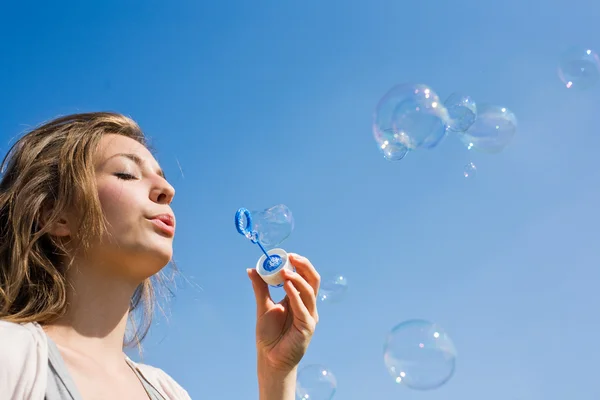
272	262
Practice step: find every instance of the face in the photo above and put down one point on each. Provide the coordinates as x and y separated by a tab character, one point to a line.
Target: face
135	199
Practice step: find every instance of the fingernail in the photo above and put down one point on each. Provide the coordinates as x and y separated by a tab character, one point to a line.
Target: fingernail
248	271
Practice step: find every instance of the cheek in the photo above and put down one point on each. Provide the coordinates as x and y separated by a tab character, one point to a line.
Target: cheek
119	204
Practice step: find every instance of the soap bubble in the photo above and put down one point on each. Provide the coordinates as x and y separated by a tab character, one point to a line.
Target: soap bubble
274	225
408	117
333	289
270	227
393	151
315	382
419	355
492	131
462	112
470	170
579	68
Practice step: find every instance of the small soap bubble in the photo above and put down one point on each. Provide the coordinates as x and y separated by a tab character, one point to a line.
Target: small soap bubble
408	117
579	68
419	355
273	225
470	170
492	130
462	112
333	289
393	151
315	382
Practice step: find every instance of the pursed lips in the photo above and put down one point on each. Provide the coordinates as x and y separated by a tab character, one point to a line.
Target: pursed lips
166	222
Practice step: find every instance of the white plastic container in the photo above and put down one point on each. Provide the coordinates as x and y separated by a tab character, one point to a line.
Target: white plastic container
273	278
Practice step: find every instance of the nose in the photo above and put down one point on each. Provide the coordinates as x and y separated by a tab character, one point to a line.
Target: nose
162	193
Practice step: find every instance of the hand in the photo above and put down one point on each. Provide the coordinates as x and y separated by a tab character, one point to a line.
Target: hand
284	330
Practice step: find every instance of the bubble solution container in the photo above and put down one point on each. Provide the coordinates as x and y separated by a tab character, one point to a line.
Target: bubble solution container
270	268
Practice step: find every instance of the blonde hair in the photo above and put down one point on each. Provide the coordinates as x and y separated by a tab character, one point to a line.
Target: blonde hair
51	168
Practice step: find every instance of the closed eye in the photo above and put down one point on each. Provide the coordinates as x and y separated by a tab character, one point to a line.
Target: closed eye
125	176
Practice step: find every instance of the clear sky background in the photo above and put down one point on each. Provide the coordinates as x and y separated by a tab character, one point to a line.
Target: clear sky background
262	103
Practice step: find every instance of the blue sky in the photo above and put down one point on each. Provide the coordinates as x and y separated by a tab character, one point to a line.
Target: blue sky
267	103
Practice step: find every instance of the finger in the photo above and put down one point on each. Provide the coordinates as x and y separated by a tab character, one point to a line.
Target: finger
305	268
301	314
307	295
261	292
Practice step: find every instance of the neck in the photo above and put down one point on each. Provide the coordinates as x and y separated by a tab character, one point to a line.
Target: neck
96	318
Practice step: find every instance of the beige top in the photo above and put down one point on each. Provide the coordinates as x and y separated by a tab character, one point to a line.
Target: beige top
24	366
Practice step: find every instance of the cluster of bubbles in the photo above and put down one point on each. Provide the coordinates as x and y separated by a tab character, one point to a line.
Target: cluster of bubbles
411	117
417	353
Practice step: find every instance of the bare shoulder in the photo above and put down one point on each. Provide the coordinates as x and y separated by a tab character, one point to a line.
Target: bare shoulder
24	355
163	382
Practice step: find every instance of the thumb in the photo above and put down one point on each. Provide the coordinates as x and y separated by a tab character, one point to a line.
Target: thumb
261	292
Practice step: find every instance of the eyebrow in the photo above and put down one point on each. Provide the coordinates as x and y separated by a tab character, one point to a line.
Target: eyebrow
139	161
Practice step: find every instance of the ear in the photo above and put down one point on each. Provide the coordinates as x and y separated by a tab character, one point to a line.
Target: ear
59	227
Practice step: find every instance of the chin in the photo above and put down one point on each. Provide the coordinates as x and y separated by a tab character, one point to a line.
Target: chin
160	259
148	267
149	261
135	260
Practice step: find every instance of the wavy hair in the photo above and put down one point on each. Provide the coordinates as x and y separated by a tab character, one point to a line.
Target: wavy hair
51	168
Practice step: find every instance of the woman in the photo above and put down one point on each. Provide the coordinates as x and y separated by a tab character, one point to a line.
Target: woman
85	222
